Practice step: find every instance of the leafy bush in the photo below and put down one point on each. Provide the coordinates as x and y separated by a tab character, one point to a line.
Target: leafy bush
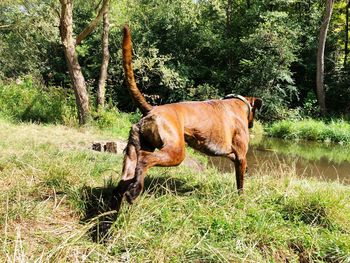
27	101
265	64
310	106
32	102
29	44
154	76
308	129
115	122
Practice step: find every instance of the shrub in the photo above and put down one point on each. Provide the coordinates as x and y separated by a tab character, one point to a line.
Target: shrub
265	63
309	129
27	101
114	122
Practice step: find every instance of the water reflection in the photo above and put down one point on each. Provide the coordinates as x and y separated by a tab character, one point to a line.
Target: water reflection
327	162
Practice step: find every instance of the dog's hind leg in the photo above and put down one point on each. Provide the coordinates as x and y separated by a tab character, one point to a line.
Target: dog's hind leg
240	160
170	155
240	167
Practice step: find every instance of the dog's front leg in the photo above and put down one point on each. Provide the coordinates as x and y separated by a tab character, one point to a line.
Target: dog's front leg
171	155
240	167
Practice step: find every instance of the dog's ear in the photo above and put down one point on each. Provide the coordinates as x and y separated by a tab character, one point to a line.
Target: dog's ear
257	104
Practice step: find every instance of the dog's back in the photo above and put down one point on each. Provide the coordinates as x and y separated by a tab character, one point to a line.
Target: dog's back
207	126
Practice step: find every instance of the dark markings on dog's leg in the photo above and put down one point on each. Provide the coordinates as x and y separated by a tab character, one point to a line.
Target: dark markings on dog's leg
129	166
119	192
240	166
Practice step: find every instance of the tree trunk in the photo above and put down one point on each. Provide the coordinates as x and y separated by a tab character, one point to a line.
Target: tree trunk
229	37
77	78
104	66
346	48
69	45
320	57
229	18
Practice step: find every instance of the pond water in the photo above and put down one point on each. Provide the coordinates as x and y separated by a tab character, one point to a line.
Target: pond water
307	159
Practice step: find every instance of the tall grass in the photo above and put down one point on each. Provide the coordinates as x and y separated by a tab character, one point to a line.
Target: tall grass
32	102
55	193
333	131
53	189
114	122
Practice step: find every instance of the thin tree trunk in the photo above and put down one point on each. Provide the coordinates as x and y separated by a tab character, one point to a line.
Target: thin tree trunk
229	37
346	48
77	78
229	18
320	57
104	66
69	46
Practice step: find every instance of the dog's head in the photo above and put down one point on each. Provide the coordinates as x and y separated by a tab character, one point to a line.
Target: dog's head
256	104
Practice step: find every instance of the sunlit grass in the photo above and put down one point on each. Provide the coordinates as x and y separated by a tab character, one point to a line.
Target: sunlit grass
53	185
337	131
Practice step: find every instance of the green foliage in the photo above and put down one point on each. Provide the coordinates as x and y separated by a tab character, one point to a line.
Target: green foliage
189	50
266	61
29	40
158	80
32	102
114	122
338	91
203	92
308	129
310	107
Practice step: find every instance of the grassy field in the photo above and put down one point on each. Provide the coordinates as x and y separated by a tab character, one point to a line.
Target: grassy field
54	189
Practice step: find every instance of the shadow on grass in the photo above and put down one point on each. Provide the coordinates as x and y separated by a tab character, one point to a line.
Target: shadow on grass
100	211
102	204
161	185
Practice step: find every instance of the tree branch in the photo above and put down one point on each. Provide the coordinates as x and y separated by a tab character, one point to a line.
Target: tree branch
5	26
93	23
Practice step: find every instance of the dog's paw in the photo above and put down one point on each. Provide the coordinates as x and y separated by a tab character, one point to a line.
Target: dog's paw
133	192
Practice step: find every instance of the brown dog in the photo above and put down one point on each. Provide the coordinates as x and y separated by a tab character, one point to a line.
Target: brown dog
214	127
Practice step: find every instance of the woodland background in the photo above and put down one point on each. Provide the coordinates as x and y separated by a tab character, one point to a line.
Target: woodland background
187	50
61	67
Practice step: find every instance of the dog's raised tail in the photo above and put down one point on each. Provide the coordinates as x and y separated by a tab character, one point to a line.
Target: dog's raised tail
135	93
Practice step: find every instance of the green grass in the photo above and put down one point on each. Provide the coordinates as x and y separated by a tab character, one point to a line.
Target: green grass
53	186
114	123
337	131
33	102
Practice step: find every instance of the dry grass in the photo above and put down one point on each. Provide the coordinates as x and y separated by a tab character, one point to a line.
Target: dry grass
54	189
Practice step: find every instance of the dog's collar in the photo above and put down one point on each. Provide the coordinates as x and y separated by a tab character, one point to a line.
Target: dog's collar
235	96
